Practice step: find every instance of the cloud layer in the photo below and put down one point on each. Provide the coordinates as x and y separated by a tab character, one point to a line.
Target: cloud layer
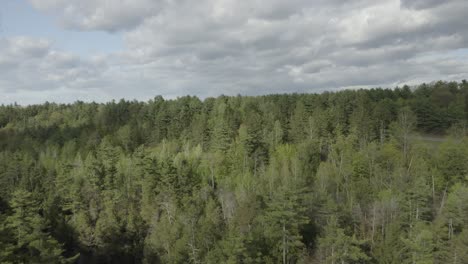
208	47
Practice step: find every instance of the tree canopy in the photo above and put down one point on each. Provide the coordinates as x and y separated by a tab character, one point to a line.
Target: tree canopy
355	176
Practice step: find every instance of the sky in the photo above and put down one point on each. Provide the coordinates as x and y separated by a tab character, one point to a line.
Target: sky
99	50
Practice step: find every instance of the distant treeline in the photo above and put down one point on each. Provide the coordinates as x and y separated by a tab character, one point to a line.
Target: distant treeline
344	177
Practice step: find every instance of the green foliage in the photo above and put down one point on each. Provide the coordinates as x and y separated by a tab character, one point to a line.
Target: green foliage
337	247
356	176
26	228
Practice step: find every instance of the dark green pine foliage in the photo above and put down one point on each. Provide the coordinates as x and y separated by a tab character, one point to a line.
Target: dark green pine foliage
27	230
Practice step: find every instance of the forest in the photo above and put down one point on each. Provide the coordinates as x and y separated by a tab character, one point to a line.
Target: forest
352	176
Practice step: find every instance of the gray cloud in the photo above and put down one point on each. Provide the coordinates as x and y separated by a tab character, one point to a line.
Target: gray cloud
31	66
421	4
208	47
106	15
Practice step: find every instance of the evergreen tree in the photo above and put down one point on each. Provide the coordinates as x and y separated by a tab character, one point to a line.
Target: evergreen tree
30	240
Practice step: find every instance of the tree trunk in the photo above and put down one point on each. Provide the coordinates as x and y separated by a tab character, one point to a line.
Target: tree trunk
284	243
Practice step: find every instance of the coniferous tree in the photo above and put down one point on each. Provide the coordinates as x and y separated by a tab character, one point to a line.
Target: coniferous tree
30	239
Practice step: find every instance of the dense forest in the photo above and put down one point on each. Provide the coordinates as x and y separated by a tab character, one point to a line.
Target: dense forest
354	176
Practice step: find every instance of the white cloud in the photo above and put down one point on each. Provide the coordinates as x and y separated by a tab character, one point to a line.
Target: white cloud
212	47
110	15
32	65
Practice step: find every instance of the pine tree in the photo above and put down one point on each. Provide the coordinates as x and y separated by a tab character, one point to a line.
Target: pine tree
419	245
30	239
335	246
283	221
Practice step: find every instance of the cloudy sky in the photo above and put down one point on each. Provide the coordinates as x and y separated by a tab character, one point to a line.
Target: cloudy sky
98	50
